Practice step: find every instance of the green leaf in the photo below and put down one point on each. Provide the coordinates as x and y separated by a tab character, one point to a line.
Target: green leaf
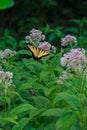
34	113
22	52
59	124
10	119
72	100
68	120
22	123
27	85
6	4
52	37
72	29
22	108
41	102
52	112
48	91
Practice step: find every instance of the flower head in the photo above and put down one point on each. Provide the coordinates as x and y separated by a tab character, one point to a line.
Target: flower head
6	54
1	54
35	36
75	59
68	39
53	49
6	78
46	46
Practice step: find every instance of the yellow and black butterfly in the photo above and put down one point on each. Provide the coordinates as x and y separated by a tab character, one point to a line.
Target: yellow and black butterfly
37	53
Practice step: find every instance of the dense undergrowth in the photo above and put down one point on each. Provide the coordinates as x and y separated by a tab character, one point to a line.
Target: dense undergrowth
46	93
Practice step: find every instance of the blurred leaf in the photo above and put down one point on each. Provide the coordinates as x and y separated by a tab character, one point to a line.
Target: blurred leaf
6	4
22	52
51	37
72	30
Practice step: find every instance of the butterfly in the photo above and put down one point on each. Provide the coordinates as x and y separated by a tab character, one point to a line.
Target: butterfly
37	52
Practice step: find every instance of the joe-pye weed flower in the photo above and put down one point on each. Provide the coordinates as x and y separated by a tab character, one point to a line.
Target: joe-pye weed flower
6	79
75	59
69	40
35	36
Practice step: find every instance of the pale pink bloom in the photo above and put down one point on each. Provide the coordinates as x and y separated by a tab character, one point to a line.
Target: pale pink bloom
6	54
6	78
35	36
75	59
46	46
68	39
53	49
1	54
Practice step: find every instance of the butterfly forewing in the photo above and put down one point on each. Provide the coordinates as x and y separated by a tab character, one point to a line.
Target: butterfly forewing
33	49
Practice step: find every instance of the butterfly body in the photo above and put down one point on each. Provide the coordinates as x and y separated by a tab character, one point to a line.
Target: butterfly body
37	53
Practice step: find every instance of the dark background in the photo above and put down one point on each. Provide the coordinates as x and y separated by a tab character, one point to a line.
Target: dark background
27	14
37	13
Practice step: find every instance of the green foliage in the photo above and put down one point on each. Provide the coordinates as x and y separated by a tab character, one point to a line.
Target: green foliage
39	102
36	101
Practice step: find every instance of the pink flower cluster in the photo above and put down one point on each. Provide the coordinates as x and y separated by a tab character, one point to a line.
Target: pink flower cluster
7	53
6	78
75	59
35	36
45	46
68	39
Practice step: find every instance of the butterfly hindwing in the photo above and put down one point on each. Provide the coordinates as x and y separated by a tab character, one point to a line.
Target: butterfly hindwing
37	53
42	53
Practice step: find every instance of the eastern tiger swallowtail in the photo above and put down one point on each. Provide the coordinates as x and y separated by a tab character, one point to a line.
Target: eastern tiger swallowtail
37	53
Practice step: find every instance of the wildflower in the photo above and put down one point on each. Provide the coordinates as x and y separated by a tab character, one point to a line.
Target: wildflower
6	78
27	39
35	36
68	39
45	46
66	75
6	54
1	54
53	49
75	59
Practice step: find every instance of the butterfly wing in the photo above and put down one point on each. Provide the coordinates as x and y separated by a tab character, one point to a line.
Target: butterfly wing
42	53
37	53
34	50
